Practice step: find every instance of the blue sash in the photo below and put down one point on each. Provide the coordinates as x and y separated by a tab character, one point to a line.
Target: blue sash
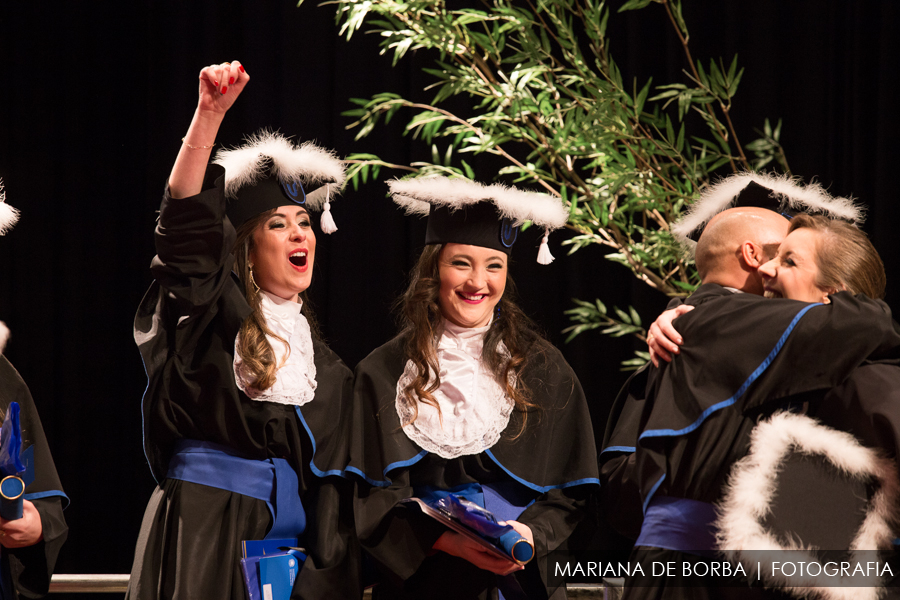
679	524
273	481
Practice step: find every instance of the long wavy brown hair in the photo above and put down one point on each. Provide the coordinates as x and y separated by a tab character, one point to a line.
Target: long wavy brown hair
253	347
421	324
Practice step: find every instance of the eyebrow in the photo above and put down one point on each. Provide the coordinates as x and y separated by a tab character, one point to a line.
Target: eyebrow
468	257
301	211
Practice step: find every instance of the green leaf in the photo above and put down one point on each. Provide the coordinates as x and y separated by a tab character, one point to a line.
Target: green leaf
703	78
635	317
641	98
679	143
623	315
734	83
732	70
634	5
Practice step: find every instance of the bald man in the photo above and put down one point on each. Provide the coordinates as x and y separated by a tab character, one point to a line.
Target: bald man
734	244
743	358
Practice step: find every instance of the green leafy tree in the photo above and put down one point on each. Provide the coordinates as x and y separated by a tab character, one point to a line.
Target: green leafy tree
545	94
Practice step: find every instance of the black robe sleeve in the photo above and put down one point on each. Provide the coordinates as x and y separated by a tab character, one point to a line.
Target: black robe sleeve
866	405
31	567
193	245
185	329
620	497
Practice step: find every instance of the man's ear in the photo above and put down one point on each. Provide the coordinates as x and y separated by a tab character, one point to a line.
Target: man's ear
752	255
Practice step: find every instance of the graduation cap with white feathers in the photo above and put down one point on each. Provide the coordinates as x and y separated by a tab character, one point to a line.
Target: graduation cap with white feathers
467	212
9	216
269	171
780	193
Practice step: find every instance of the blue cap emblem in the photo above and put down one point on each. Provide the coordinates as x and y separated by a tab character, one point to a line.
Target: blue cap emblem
291	191
508	232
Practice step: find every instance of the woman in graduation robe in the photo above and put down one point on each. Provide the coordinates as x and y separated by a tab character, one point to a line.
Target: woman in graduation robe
243	410
468	399
31	544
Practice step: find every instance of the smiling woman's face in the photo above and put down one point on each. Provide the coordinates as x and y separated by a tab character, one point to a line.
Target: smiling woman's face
284	249
794	272
473	280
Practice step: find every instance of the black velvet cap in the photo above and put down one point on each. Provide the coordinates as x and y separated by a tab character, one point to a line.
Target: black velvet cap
467	212
758	196
269	171
478	224
267	193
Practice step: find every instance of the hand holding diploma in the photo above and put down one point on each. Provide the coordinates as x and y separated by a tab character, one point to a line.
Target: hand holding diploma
22	532
20	523
458	545
499	547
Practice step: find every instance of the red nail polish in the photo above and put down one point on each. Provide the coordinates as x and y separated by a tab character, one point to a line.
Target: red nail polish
241	68
216	82
224	89
231	80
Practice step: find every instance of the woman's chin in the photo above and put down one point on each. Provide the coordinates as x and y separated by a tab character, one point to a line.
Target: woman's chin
771	294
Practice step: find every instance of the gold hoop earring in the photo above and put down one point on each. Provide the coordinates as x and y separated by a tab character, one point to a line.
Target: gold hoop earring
253	281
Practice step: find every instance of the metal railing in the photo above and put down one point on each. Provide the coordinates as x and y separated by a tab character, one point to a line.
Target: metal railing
88	584
116	584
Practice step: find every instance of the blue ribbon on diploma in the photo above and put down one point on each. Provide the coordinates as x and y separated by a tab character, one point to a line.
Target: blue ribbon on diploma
12	469
484	523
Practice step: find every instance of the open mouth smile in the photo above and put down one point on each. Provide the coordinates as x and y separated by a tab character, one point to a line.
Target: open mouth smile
471	298
298	259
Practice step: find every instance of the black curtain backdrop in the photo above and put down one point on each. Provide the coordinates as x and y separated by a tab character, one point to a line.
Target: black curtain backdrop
97	95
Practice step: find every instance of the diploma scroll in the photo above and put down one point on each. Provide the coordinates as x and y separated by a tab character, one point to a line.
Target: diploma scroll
12	486
480	525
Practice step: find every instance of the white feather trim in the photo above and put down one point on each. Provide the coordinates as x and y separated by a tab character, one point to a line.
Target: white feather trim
9	216
4	336
417	195
267	150
751	487
720	196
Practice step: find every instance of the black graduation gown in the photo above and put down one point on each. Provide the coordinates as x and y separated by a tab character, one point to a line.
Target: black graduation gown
185	328
744	357
620	498
866	405
32	566
553	461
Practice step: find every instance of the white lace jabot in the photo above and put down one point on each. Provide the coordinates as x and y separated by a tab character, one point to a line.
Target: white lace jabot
295	380
473	407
